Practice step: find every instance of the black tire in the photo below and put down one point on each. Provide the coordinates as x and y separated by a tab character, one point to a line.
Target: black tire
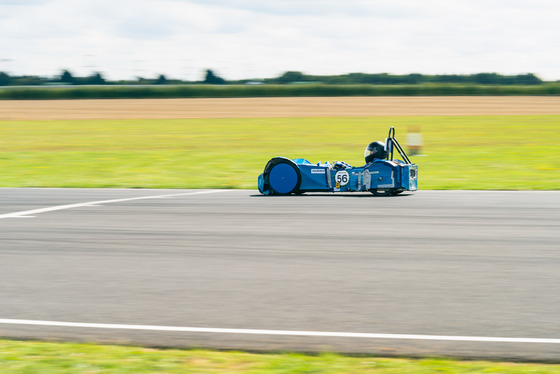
381	192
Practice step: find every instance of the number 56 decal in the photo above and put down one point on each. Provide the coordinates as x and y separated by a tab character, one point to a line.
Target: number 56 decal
342	178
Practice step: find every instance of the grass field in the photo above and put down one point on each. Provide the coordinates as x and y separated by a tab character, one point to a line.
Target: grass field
460	152
45	358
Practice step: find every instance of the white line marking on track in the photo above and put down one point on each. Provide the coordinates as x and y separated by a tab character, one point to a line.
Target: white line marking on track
279	332
27	213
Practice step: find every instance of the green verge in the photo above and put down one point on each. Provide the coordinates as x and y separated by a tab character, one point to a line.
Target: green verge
459	152
45	358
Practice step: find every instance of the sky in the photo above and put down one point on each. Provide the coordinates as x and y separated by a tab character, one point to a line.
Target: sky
247	39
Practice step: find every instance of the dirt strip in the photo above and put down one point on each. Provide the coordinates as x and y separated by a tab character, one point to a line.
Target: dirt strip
278	107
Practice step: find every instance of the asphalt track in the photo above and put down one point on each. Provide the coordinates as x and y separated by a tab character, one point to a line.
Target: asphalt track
455	273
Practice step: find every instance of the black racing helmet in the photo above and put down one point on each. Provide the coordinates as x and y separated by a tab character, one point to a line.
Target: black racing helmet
375	150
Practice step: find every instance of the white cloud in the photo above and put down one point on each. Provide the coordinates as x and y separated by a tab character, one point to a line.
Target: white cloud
263	38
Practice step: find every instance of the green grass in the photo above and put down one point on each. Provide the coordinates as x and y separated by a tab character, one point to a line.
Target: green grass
48	358
461	152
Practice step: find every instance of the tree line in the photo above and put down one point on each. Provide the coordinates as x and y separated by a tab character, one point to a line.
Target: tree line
289	77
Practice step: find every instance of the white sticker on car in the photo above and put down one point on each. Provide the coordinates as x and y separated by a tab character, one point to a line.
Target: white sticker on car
342	178
317	171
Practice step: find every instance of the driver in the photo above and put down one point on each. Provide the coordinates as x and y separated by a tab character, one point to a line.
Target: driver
375	150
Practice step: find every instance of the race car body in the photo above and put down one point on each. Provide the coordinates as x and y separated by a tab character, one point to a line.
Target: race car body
382	175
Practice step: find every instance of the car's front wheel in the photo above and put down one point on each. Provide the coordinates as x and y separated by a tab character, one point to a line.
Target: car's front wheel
284	178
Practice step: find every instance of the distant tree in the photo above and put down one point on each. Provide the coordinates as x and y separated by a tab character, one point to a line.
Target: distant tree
67	77
486	78
212	78
161	79
450	78
291	77
28	80
528	79
95	78
5	79
414	78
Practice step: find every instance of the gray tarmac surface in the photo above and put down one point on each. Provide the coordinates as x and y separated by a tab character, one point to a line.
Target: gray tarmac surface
453	263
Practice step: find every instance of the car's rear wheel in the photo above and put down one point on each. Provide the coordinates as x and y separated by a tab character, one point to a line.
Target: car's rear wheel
386	192
284	178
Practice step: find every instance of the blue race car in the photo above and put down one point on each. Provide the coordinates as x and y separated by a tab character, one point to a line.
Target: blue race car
382	175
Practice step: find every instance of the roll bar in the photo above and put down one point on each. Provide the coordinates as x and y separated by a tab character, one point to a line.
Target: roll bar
391	143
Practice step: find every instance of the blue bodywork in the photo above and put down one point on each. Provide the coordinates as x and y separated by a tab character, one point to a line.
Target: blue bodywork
283	176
